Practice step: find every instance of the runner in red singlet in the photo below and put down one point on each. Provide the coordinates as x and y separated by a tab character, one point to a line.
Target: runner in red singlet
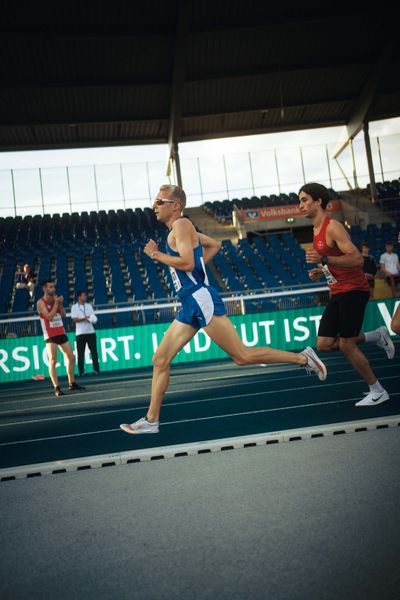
51	312
341	263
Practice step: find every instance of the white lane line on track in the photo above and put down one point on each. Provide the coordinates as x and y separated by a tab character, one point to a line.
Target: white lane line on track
240	414
100	387
170	392
204	400
282	367
249	371
189	370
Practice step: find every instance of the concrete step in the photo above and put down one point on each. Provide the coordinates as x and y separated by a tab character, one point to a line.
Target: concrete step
361	209
211	226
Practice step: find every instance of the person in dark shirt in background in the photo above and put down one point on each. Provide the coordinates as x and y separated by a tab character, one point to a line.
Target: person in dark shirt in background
370	268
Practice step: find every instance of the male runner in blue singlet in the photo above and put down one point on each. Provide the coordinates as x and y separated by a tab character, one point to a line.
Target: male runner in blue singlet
186	254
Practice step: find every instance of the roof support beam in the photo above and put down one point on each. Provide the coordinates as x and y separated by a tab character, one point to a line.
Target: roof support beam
362	107
269	71
178	80
73	122
253	24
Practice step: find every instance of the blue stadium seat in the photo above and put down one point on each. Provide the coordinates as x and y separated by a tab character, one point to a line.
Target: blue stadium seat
21	301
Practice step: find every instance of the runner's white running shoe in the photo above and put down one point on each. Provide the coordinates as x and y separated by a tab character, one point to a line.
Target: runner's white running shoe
141	426
314	364
385	342
373	398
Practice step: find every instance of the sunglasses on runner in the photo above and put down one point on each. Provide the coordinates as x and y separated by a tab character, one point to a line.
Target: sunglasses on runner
161	201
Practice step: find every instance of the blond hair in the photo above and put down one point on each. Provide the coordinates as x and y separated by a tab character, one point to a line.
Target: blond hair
176	192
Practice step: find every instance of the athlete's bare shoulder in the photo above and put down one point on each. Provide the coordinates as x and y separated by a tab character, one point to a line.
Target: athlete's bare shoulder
41	307
182	225
336	228
183	230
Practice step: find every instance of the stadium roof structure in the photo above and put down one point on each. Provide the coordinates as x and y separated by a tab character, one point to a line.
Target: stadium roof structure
115	73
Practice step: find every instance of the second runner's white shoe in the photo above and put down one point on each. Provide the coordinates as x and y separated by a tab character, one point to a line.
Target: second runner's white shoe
385	342
314	364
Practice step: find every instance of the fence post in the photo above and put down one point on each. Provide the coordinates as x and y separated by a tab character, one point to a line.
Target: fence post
226	176
41	188
122	185
95	187
277	170
201	184
13	187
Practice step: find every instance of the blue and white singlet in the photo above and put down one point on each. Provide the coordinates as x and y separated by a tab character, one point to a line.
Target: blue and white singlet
200	301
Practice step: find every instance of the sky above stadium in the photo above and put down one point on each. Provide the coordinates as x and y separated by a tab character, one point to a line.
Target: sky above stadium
75	180
205	148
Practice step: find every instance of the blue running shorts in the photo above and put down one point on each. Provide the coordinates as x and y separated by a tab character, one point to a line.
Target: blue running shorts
199	307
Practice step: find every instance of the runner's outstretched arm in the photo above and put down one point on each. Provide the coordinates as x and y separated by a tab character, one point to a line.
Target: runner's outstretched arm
210	247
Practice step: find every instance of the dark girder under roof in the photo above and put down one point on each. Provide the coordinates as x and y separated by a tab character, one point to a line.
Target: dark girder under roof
113	73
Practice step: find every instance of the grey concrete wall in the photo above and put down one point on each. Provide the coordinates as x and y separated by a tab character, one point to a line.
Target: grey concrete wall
315	519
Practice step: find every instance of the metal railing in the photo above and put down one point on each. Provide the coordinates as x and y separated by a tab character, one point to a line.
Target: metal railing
131	185
16	325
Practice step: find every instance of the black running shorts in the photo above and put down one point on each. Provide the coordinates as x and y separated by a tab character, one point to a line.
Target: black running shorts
344	315
57	339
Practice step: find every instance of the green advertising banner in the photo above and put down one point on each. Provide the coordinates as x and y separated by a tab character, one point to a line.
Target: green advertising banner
133	347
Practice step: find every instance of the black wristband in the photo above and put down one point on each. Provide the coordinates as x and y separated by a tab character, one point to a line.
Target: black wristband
324	261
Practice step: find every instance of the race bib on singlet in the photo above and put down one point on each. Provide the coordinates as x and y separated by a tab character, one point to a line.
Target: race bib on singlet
56	322
175	279
328	275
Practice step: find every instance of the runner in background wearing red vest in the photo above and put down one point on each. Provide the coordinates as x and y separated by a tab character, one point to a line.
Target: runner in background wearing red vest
51	312
340	262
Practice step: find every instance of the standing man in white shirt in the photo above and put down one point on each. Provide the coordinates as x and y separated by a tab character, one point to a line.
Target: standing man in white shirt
82	314
390	266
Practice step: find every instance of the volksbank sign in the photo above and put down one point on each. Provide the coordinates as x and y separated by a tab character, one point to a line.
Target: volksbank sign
126	348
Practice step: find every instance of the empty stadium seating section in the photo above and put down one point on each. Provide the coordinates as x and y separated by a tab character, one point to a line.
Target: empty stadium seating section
102	252
376	237
222	210
388	197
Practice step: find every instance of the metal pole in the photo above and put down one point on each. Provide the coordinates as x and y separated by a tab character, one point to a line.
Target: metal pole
148	180
380	158
200	182
41	188
95	186
353	160
177	165
122	185
329	165
251	175
226	175
344	174
69	190
13	187
302	164
370	163
277	170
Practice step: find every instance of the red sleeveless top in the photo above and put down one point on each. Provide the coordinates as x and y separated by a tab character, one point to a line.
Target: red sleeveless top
54	327
347	279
